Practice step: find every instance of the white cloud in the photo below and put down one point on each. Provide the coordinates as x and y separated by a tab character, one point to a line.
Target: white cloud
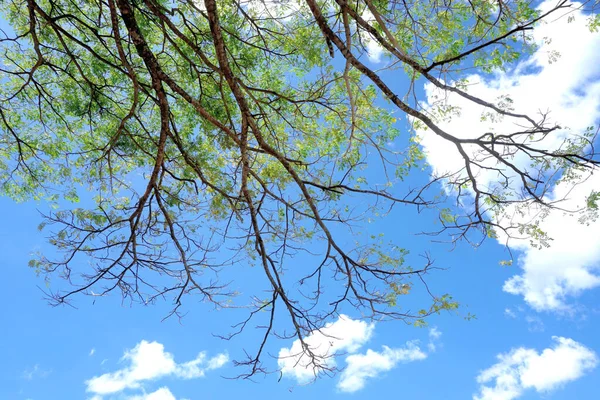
343	335
197	367
161	394
36	372
569	265
434	338
360	367
374	50
522	369
92	351
218	361
435	333
148	361
535	324
283	10
347	336
570	88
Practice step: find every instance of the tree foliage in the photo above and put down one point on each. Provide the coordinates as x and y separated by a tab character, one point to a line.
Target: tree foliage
206	137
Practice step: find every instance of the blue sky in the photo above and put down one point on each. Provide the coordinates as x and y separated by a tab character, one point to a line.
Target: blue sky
51	352
535	334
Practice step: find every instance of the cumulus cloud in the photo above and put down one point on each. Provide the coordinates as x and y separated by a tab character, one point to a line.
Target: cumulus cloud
161	394
374	50
343	335
525	369
371	364
148	361
569	265
568	86
348	336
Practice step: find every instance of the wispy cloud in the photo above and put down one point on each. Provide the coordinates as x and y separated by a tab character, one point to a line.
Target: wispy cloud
535	324
525	369
434	338
35	372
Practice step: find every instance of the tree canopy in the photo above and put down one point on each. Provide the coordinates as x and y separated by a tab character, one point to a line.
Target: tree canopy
202	138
